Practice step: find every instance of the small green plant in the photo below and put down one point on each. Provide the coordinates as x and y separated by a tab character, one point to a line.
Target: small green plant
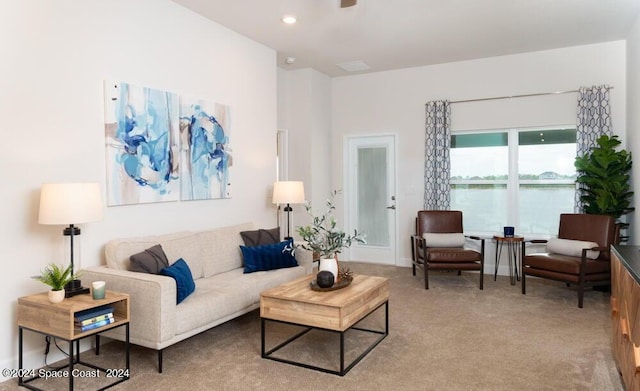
322	236
56	276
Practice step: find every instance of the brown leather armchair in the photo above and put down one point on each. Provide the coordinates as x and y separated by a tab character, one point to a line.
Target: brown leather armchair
579	270
443	258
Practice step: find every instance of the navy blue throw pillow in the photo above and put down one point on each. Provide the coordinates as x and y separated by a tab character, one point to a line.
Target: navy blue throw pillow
180	272
268	256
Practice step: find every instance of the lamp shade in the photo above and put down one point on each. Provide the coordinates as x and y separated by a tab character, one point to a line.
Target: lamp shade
288	192
70	203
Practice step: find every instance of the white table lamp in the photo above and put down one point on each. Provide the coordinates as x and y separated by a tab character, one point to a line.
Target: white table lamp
288	192
70	204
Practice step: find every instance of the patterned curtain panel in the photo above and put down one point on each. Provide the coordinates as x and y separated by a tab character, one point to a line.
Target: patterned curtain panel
594	120
437	166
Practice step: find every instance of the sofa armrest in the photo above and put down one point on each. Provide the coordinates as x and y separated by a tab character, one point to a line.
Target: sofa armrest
152	301
305	258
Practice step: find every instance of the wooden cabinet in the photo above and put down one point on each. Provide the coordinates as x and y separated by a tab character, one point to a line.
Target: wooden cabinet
625	312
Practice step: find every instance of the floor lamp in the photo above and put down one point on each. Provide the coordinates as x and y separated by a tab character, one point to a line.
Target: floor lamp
70	203
288	192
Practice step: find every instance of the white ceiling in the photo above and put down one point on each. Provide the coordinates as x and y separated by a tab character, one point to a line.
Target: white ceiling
392	34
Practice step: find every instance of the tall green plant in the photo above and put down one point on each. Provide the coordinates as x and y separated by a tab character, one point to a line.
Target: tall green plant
604	174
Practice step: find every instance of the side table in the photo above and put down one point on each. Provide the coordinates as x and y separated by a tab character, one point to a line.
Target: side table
37	314
513	244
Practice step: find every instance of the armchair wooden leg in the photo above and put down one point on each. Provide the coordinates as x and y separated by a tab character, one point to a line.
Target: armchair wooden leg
426	276
481	279
524	282
580	295
414	268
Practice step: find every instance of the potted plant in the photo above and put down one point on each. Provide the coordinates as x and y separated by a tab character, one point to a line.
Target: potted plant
604	176
325	239
56	277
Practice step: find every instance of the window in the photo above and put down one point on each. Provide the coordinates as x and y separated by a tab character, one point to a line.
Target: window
519	177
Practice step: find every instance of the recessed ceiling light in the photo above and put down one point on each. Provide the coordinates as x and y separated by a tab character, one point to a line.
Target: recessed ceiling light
289	19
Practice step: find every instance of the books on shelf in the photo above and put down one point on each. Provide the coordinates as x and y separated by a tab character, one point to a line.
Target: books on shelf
95	325
93	312
94	318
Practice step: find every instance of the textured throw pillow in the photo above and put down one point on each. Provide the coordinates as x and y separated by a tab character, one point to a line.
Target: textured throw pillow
444	240
260	237
180	272
268	256
571	248
151	260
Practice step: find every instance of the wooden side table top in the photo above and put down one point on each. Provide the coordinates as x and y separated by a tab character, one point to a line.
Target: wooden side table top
35	312
296	302
515	238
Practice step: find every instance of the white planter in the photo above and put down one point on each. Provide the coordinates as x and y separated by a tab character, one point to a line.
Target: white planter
56	296
331	265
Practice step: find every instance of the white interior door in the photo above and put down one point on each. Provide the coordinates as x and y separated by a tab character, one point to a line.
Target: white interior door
370	182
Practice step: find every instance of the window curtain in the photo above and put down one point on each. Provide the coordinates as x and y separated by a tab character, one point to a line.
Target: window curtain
594	120
437	165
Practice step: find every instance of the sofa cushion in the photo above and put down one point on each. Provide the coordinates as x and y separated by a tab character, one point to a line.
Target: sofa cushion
261	236
268	256
221	248
572	248
227	295
118	251
444	239
151	260
187	248
180	272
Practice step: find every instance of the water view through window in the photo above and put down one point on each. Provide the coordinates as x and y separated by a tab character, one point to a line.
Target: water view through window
514	177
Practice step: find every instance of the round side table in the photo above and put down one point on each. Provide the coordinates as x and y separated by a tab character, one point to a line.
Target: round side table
514	249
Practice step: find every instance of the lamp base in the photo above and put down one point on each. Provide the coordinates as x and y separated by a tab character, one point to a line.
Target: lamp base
75	288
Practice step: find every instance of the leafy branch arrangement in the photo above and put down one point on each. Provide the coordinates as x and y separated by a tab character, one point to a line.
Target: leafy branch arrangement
56	276
604	172
322	236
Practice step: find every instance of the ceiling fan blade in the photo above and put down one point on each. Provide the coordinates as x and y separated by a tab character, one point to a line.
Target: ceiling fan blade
347	3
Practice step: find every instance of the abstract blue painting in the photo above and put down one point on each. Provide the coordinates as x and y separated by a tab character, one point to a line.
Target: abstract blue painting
141	140
205	155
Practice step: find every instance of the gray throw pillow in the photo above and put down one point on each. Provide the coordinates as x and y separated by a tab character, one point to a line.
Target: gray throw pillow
261	237
151	260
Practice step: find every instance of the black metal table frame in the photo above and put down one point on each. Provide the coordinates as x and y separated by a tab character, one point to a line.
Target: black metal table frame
74	359
513	252
343	371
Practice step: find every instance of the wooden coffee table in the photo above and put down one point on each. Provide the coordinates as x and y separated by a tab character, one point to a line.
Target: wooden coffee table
336	311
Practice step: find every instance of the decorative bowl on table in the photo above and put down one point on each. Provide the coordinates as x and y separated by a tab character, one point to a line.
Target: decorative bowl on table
324	281
338	285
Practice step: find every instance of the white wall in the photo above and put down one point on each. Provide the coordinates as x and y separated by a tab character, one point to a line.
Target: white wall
633	122
304	110
56	55
394	101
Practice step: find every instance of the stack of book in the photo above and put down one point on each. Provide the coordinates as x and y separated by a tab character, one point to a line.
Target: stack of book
94	317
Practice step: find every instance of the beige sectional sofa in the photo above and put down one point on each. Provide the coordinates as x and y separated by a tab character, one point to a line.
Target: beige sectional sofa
223	291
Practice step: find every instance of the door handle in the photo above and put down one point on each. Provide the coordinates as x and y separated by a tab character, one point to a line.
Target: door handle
391	207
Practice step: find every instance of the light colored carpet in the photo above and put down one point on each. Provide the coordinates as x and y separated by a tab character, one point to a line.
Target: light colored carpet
450	337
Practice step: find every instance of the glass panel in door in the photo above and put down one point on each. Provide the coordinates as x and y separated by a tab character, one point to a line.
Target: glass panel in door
372	190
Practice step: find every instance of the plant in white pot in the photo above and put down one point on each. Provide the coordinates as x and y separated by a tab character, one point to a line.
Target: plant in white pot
56	277
325	239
